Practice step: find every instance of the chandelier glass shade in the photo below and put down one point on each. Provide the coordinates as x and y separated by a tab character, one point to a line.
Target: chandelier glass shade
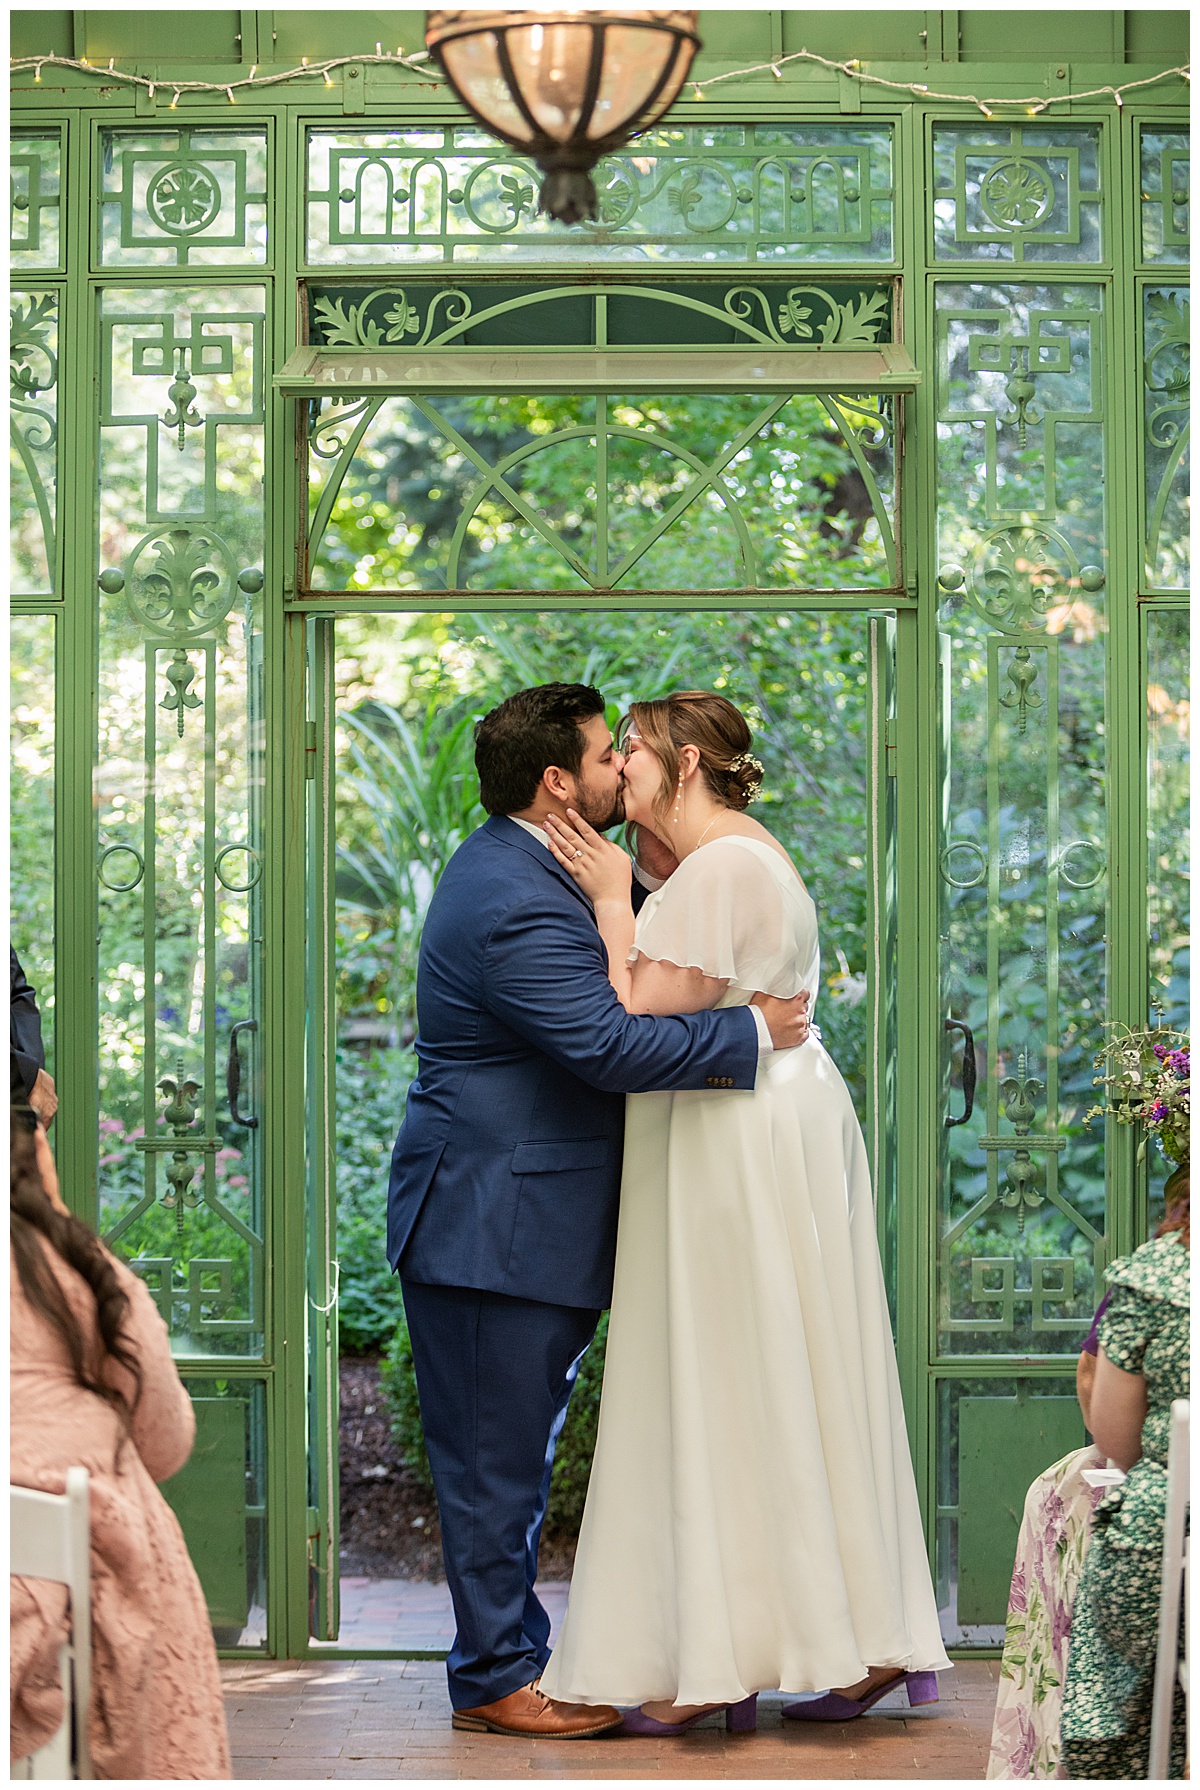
565	87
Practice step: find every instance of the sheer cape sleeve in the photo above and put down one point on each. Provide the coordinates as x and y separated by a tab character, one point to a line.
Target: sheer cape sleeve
723	912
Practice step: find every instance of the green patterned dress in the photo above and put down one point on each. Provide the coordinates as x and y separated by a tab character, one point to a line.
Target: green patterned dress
1110	1672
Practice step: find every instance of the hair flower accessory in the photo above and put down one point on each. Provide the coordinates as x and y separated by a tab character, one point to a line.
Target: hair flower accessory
746	761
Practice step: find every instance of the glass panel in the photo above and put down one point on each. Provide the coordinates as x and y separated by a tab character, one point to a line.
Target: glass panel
993	1439
1168	885
1166	194
33	456
178	803
1016	193
1021	528
714	192
31	809
220	1498
671	493
1166	361
35	173
183	198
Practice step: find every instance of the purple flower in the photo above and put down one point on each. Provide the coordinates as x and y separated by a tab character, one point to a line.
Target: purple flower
1022	1756
1017	1595
1060	1623
1158	1112
1180	1062
1160	1051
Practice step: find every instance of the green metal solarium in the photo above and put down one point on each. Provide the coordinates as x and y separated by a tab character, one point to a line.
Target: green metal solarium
935	254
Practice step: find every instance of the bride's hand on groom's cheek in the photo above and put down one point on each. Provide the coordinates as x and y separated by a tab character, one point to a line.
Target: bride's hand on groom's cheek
602	870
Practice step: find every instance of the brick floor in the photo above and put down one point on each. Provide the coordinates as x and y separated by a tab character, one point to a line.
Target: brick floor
389	1719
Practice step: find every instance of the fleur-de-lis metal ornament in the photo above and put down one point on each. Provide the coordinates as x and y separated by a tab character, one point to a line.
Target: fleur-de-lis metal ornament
180	1113
1021	1094
181	414
1022	675
179	674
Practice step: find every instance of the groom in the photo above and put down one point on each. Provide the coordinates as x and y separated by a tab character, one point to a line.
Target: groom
502	1206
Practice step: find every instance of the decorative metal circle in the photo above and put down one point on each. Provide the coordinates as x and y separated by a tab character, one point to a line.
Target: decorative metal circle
971	882
250	580
1019	574
180	581
952	577
183	198
1091	577
347	195
255	867
111	580
1087	882
1016	194
135	854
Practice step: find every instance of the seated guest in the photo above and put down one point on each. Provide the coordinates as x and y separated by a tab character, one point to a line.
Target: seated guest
93	1385
1051	1549
1141	1368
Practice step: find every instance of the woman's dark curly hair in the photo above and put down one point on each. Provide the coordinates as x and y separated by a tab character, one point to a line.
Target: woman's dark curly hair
34	1223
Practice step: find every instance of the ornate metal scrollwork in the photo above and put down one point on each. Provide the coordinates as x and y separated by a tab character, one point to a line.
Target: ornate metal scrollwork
1021	1094
180	1114
181	581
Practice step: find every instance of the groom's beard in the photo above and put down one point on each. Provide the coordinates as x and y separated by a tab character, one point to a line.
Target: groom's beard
601	811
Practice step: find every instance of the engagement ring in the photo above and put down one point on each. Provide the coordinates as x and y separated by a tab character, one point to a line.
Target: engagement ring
579	853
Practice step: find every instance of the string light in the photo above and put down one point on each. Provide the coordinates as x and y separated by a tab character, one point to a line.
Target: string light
920	89
22	64
1032	104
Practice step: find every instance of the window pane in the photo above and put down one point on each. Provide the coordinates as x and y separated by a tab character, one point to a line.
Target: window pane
184	198
578	493
33	455
717	192
1016	193
35	170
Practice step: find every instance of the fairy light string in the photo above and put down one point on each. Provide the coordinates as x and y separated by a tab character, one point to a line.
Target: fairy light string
418	62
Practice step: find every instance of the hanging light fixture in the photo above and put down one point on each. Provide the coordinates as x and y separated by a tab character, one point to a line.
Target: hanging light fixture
565	87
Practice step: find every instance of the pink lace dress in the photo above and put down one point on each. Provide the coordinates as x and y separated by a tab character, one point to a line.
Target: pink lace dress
156	1707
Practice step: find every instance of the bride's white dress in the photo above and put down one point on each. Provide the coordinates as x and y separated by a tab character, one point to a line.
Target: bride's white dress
752	1519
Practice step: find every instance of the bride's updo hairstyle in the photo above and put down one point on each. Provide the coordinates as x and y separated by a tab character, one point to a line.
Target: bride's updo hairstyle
717	730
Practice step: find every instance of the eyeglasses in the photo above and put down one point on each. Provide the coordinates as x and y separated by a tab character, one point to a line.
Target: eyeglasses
627	736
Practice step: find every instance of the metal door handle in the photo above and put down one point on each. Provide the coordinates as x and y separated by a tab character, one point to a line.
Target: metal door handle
968	1071
233	1074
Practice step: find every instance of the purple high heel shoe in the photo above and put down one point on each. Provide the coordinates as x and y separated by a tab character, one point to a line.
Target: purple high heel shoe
832	1707
740	1718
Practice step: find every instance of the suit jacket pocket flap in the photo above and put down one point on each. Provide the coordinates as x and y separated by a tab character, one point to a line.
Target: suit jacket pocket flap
558	1154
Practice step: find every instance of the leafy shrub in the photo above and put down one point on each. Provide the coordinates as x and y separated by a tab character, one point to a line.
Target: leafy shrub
370	1104
576	1444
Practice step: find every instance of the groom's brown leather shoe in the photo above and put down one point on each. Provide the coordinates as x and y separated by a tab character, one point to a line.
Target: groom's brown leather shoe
528	1713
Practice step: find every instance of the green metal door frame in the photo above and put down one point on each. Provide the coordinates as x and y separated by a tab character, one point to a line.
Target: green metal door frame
84	105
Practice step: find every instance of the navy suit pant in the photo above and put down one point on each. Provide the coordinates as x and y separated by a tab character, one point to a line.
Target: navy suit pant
493	1376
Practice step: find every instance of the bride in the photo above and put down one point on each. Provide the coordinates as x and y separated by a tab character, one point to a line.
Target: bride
752	1519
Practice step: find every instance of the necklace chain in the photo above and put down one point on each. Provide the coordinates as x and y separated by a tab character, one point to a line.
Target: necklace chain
708	829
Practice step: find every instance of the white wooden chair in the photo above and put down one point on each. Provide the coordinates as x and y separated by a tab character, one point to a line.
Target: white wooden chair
1170	1671
48	1539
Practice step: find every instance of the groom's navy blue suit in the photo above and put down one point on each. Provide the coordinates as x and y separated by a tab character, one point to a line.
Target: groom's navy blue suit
502	1208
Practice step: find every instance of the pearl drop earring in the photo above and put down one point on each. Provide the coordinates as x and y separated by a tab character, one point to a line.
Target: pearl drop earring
678	799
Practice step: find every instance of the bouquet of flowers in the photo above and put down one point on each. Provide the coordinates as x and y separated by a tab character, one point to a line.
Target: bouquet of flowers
1146	1077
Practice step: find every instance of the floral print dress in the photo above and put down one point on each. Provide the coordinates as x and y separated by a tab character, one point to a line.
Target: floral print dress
1110	1674
1051	1549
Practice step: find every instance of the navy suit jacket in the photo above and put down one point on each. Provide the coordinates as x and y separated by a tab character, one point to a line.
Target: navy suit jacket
507	1169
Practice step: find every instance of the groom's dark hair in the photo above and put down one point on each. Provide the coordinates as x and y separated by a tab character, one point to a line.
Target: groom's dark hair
525	735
